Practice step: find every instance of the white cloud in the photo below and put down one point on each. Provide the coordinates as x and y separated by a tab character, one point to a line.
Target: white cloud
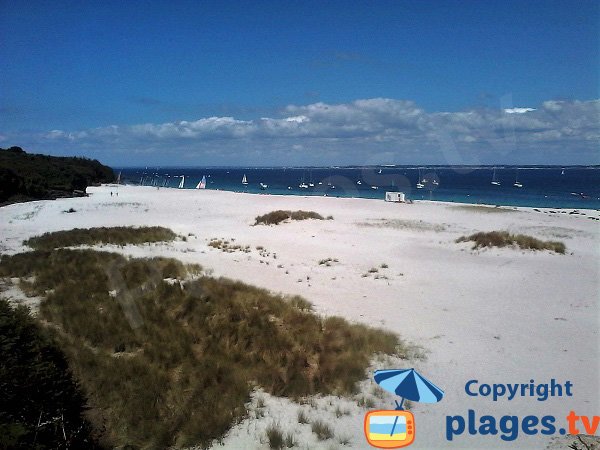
518	110
368	126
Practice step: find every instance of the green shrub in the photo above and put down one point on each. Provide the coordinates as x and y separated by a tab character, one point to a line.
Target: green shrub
101	235
504	239
276	217
37	387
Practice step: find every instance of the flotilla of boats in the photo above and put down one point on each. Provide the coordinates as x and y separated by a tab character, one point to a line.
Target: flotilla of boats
429	180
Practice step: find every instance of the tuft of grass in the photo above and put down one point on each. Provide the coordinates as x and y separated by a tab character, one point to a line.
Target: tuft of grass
504	239
302	417
229	247
384	266
290	440
344	440
322	430
373	270
276	217
101	235
482	208
328	261
366	402
275	437
194	349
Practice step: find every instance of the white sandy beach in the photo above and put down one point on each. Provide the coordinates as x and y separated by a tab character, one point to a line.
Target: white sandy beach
498	316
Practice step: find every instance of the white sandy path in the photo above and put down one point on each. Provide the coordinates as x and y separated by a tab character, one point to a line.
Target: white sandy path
499	316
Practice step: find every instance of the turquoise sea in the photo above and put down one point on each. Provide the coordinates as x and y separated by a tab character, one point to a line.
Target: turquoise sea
556	187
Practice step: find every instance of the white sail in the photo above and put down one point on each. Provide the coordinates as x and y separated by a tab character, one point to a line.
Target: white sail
202	183
517	183
244	180
181	182
495	181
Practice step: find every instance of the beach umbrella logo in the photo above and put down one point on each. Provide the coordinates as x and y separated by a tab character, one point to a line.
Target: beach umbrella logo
396	428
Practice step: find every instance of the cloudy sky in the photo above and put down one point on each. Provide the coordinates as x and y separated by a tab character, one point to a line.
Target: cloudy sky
292	83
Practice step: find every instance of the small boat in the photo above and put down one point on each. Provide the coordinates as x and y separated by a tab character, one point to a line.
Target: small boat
359	182
517	183
379	171
244	180
303	184
289	188
181	183
202	183
310	183
119	177
375	187
263	186
562	172
495	181
420	184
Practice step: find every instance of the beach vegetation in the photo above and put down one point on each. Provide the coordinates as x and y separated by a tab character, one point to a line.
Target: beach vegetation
322	430
228	247
328	261
276	217
168	357
25	176
482	209
302	417
100	235
344	440
506	239
42	405
275	436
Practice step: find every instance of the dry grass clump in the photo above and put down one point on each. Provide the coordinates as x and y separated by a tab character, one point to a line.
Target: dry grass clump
328	261
482	209
168	364
101	235
276	217
504	239
228	246
322	430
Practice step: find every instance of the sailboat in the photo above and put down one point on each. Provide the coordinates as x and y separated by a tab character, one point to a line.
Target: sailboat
517	183
263	186
562	172
379	171
202	183
303	185
420	185
119	177
495	181
181	183
244	180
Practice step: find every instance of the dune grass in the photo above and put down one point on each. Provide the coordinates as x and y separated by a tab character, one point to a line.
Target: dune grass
483	209
101	235
276	217
505	239
173	364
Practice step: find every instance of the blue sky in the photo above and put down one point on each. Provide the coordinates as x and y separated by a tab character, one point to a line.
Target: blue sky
282	82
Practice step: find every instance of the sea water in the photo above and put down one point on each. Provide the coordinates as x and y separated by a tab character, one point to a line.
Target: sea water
555	187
